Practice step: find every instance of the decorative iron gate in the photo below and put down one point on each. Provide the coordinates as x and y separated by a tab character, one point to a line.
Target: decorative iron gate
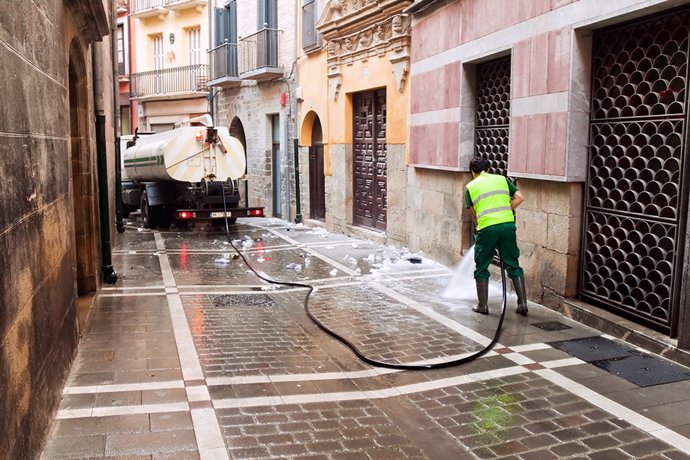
369	145
493	114
634	208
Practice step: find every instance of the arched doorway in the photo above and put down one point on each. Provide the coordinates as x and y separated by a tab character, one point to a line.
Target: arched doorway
85	230
317	186
237	131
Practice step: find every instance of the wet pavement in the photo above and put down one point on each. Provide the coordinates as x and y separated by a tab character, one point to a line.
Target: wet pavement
192	356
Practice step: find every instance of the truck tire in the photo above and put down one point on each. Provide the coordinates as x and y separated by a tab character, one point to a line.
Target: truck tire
148	213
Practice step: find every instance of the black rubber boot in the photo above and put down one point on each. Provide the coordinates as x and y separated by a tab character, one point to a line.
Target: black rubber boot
519	285
482	297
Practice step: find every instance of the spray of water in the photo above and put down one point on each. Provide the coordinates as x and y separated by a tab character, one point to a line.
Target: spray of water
462	286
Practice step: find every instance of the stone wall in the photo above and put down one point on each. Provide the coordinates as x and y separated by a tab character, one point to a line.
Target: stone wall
254	103
38	245
437	222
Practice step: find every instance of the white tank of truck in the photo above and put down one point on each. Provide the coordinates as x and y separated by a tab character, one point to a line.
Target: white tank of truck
188	173
184	155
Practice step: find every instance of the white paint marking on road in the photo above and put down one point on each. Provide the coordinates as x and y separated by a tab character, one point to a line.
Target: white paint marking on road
96	389
618	410
207	432
206	429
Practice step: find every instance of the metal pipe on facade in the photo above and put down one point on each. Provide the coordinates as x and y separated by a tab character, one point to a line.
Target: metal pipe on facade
119	225
109	275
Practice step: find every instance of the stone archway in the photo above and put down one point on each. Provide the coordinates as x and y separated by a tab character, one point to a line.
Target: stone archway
85	230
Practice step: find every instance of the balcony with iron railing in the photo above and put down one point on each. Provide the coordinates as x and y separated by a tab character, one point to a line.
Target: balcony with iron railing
174	83
256	57
160	8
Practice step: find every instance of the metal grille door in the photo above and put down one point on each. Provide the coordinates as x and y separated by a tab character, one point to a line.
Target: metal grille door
634	211
493	114
369	145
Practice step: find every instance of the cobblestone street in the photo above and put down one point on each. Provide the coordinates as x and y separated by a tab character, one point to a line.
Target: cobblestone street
192	356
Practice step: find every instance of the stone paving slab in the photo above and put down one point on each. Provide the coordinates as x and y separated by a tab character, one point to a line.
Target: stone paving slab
172	367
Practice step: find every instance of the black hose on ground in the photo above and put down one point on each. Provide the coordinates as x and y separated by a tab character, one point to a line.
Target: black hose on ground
350	345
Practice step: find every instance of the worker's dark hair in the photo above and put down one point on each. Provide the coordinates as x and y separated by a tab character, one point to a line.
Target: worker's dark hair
478	165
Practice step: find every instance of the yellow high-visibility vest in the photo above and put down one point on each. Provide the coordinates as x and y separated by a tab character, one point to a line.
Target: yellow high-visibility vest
491	200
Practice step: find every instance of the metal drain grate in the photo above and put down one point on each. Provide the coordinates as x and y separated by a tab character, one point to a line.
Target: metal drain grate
592	348
551	326
644	370
242	300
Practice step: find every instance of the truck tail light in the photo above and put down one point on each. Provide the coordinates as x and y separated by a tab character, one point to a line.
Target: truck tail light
256	212
185	215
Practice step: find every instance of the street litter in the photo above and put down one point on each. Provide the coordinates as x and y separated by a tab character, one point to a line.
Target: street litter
371	258
415	260
223	260
328	247
322	232
260	259
350	260
294	266
334	272
355	245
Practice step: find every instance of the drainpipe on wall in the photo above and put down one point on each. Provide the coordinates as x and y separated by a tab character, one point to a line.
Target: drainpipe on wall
116	119
109	275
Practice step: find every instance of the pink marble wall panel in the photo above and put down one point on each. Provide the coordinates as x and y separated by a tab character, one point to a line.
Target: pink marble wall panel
517	160
448	152
436	89
507	13
437	33
559	3
423	144
556	138
559	60
435	145
520	71
536	143
467	24
539	50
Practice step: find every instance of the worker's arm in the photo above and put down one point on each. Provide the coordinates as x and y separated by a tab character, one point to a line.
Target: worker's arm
474	216
517	200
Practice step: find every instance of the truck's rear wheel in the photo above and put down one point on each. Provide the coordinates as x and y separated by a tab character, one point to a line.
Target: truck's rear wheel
148	213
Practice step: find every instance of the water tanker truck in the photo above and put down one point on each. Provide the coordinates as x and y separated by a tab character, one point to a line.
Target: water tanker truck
188	173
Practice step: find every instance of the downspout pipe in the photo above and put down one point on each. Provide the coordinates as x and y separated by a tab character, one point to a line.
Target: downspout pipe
109	275
119	224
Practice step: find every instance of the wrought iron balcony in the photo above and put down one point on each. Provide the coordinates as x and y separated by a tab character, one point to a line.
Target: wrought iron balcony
256	57
148	8
191	80
224	68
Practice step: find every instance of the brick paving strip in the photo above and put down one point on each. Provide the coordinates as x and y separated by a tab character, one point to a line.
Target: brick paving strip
528	409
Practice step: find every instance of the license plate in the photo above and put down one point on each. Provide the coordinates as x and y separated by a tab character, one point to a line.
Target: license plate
221	214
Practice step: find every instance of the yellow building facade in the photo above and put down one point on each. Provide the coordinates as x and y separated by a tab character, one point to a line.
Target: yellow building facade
352	66
170	74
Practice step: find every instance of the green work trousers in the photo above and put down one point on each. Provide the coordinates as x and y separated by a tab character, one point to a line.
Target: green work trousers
502	237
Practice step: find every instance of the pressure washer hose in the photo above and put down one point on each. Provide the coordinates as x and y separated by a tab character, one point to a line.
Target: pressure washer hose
350	345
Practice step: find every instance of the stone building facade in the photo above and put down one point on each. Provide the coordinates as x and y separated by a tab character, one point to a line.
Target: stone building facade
584	103
253	85
57	83
353	105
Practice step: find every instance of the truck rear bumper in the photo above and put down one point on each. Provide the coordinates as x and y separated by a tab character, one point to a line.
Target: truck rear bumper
212	214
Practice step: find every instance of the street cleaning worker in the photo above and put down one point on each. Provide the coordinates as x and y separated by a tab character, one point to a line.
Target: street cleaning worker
492	199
